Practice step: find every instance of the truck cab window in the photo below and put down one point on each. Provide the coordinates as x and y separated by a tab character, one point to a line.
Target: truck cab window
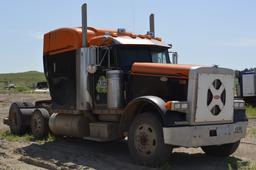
159	57
127	55
105	58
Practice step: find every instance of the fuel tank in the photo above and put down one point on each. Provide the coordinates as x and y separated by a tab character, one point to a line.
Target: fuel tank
115	89
69	125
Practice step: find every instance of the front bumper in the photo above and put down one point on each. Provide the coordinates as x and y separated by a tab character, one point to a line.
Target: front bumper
204	135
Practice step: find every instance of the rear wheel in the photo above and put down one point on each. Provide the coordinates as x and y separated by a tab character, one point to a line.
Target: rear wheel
39	123
145	140
16	125
221	150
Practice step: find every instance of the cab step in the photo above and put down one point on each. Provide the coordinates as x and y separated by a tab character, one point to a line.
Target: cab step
103	131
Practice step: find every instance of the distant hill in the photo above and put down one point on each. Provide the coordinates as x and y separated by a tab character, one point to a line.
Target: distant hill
24	79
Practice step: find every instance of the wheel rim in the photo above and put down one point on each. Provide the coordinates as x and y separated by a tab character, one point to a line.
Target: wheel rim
145	140
37	124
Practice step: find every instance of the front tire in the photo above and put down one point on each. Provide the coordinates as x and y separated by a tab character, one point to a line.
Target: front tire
221	150
146	142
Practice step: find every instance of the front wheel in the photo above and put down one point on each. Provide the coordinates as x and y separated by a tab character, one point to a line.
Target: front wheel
146	142
221	150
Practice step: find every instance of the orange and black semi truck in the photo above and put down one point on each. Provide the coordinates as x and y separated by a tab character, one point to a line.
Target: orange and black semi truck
107	85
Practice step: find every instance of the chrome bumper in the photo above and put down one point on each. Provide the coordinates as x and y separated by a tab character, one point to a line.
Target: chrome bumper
204	135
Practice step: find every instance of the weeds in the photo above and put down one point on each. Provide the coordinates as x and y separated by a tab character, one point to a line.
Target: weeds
251	111
24	138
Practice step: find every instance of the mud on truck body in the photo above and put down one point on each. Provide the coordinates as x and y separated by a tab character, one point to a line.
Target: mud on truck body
106	85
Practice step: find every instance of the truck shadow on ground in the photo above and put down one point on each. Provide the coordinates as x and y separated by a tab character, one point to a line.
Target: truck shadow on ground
79	154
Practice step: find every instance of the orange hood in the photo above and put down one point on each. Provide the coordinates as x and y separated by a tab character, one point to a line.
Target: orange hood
172	70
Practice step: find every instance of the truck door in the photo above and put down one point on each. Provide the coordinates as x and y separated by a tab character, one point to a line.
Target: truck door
99	79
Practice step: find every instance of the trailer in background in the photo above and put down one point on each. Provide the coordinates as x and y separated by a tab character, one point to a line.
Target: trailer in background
246	87
42	87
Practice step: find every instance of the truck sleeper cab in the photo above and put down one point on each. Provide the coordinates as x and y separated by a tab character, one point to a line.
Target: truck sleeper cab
124	85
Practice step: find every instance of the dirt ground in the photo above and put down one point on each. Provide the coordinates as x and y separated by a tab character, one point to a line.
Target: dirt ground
68	153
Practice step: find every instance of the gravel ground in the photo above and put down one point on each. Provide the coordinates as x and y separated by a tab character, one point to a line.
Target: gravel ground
68	153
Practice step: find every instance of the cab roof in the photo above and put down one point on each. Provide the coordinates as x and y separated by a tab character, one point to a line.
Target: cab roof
68	39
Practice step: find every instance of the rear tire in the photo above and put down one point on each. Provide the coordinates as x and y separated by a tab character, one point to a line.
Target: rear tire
146	142
16	124
39	124
221	150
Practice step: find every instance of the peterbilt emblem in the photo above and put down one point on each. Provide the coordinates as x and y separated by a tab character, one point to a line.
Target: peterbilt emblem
164	79
216	97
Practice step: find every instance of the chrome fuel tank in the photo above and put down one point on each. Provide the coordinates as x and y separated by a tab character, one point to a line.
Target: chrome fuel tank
69	125
115	89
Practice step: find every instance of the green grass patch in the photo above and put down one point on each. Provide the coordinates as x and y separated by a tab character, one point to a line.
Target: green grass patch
24	138
234	163
24	81
21	89
230	163
251	111
246	165
14	138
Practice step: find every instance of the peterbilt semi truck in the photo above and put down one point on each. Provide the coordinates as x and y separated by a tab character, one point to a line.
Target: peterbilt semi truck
109	85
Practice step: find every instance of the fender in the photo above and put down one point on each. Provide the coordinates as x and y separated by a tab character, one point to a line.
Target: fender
138	105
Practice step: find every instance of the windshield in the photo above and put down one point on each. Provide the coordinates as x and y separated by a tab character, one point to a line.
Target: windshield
159	57
127	55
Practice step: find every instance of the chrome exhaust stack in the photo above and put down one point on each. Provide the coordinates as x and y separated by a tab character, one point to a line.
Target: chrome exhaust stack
82	63
152	24
84	25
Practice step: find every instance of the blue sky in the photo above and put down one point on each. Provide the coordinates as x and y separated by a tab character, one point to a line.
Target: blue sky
207	32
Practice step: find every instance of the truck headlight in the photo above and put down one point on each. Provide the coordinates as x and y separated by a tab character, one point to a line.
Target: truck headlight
239	104
181	106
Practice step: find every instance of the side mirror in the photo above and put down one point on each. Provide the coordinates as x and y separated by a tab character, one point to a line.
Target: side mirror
175	58
92	69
